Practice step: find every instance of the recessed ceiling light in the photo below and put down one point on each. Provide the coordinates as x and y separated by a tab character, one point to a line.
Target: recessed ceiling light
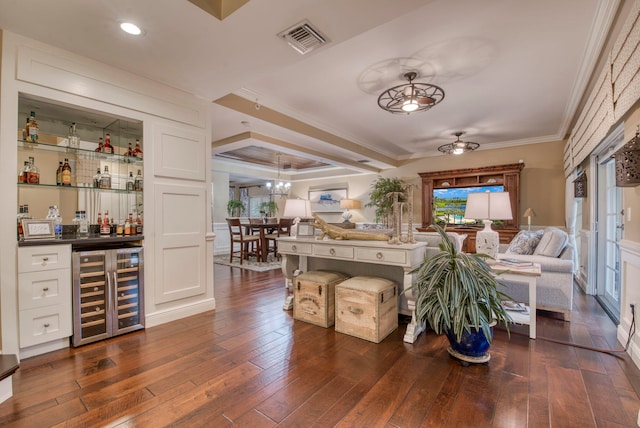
131	28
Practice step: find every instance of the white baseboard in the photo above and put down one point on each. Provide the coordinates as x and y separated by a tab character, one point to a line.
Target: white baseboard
176	313
43	348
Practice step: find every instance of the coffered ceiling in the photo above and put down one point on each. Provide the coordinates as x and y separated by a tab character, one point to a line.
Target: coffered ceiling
513	72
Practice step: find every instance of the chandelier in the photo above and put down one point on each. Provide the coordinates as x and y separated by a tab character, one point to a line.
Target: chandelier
278	187
458	147
410	97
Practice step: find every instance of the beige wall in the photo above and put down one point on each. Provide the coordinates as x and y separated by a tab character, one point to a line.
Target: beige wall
542	180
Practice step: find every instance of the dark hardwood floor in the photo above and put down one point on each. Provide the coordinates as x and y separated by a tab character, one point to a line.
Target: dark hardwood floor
250	364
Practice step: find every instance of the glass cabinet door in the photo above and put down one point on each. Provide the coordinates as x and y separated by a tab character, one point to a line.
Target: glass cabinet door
128	301
90	297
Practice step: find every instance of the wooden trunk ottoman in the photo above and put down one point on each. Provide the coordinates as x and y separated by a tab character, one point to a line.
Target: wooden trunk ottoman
314	296
367	307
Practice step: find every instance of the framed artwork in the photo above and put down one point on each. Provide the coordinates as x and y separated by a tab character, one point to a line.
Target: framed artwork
38	229
327	200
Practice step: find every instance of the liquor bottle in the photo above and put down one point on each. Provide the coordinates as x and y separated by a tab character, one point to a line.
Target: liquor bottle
23	213
74	140
33	175
132	225
83	230
54	214
105	179
99	221
25	130
32	128
59	174
96	179
25	172
66	173
100	147
137	152
76	223
139	225
127	226
108	148
130	182
105	227
138	182
129	151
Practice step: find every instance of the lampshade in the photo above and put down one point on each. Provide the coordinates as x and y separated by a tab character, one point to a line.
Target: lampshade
410	97
529	213
489	206
350	204
297	208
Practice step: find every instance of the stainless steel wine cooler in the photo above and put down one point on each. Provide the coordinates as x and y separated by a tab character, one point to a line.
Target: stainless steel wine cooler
107	293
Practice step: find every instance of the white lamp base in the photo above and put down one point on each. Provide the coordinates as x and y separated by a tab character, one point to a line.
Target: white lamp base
487	240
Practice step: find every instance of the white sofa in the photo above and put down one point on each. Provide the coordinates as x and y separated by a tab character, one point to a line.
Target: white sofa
554	289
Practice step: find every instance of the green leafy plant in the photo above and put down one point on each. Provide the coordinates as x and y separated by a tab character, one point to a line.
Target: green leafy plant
235	208
269	207
458	292
378	197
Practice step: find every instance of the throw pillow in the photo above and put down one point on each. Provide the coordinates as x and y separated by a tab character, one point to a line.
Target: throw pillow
525	242
552	243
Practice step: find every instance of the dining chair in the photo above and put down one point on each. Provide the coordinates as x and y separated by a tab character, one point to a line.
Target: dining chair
245	241
284	229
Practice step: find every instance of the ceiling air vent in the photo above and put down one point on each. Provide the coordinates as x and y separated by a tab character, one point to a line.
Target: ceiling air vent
303	37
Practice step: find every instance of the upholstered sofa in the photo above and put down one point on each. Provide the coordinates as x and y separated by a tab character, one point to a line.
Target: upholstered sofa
551	248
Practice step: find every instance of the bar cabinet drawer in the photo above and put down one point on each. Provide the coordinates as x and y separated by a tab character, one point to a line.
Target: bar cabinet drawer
44	257
41	325
38	289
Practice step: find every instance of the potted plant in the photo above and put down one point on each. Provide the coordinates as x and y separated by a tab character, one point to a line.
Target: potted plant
235	207
457	294
378	197
268	208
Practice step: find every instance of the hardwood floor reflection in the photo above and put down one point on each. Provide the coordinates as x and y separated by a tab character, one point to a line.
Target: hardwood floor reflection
250	364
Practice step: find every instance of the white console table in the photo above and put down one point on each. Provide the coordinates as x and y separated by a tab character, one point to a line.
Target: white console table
354	257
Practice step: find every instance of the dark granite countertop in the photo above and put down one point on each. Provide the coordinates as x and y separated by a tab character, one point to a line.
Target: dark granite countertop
92	240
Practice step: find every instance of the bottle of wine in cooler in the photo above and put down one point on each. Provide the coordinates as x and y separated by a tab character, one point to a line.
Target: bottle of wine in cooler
66	173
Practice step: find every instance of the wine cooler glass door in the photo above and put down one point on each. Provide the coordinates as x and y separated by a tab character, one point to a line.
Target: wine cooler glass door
128	300
91	295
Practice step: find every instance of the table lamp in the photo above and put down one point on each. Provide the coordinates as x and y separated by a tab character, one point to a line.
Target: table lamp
528	213
348	204
298	209
488	206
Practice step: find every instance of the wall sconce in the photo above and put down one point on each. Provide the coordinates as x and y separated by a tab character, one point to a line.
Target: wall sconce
628	163
580	185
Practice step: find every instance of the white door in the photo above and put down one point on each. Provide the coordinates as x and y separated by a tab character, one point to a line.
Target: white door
610	229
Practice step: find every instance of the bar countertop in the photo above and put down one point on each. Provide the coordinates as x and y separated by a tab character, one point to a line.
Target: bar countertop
92	240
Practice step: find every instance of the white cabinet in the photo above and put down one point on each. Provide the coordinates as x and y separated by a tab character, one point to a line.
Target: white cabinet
44	293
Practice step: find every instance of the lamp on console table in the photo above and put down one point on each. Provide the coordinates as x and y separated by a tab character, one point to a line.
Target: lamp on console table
348	204
488	206
298	209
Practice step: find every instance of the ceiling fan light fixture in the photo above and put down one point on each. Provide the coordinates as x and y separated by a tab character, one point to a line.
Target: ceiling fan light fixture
458	147
410	97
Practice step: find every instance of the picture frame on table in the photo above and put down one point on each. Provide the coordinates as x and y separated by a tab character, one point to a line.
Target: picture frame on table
327	200
38	229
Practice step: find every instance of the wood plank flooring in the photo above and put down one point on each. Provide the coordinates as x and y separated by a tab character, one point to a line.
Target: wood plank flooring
250	364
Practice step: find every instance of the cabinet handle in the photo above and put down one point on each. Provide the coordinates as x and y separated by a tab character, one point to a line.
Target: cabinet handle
379	256
294	248
332	251
46	325
45	289
107	303
356	311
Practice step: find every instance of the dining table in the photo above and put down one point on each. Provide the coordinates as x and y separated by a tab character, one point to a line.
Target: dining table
265	229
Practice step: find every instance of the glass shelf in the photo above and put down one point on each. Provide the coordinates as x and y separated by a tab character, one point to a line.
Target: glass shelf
53	186
79	153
